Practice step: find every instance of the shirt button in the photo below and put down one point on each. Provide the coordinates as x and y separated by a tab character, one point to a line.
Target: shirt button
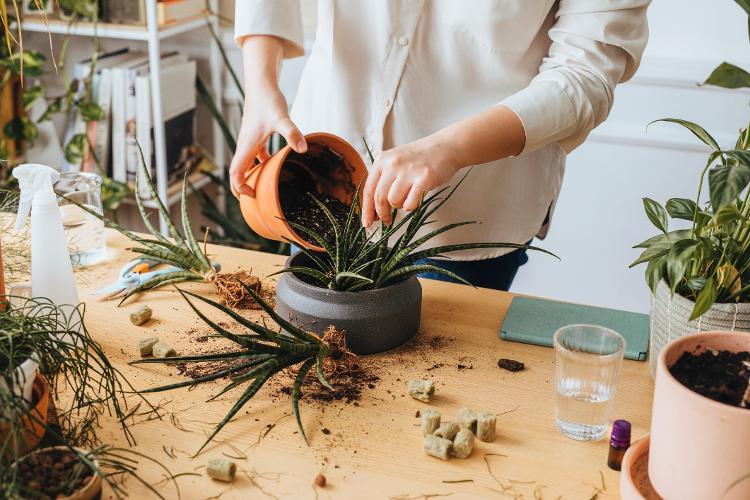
386	102
403	41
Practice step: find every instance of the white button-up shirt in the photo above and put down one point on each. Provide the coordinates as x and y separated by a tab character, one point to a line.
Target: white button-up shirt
395	71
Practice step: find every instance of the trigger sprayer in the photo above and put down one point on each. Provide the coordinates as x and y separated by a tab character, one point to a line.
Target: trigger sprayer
51	270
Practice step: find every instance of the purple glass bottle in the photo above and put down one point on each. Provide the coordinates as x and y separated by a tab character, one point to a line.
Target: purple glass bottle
618	443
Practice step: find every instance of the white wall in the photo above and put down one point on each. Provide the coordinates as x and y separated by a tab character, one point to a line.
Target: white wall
599	215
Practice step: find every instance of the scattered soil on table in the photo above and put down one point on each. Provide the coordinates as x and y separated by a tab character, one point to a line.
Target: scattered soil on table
510	364
234	295
53	474
719	375
317	172
347	386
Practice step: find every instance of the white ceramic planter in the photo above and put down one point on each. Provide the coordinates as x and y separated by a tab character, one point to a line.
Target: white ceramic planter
24	381
670	314
699	448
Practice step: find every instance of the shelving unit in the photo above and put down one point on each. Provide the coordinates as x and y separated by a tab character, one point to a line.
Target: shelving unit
152	34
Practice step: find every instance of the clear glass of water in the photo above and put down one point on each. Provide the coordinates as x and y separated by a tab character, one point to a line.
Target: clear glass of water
87	243
588	359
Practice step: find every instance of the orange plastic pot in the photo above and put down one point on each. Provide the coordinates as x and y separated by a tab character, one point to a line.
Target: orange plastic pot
33	425
263	211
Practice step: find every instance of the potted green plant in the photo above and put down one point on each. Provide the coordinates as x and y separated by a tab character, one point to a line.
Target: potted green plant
699	271
366	284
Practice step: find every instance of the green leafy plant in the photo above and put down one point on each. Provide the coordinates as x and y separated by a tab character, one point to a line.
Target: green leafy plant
354	260
260	353
708	263
183	250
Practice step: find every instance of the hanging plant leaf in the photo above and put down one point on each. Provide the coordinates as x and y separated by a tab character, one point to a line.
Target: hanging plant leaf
726	182
90	111
20	128
75	149
656	214
52	108
729	76
31	94
681	208
706	298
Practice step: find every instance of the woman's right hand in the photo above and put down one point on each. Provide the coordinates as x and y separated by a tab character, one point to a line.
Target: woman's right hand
265	110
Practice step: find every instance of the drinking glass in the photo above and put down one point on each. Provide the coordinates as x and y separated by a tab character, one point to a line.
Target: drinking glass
588	362
87	243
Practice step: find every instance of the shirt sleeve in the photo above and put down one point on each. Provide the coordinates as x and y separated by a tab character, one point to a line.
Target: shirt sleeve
596	44
279	18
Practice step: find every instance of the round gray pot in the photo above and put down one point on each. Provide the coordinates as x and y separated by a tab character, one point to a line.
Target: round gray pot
374	320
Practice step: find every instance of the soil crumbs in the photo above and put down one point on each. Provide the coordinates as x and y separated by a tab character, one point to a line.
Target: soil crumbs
719	375
300	208
347	386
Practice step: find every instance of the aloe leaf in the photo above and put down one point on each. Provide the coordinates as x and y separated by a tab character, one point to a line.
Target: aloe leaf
317	260
227	63
352	275
187	229
338	259
142	209
200	358
433	252
296	391
319	369
162	280
199	380
176	236
255	327
319	240
162	256
321	277
246	396
422	268
290	328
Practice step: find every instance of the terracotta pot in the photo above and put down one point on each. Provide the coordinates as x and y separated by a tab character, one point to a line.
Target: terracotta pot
90	490
634	481
263	211
699	447
33	425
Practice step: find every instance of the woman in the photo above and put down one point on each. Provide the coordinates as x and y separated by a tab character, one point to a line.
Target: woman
435	86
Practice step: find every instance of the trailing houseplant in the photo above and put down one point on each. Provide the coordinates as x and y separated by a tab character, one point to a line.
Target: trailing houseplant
699	273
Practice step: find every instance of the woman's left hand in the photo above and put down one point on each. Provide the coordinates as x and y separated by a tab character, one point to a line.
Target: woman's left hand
400	176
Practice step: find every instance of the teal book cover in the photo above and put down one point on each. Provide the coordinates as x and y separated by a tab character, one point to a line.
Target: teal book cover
535	321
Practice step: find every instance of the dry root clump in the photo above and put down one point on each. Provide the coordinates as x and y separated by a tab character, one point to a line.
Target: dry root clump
340	360
234	295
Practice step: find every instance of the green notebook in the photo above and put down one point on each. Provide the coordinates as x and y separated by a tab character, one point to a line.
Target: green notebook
535	321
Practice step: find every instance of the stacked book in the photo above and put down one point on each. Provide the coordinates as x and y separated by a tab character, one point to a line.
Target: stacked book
121	87
167	11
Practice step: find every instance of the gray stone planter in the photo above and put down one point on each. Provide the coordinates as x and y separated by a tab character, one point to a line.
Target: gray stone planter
374	320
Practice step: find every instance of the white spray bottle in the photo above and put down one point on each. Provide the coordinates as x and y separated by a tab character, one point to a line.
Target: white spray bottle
51	270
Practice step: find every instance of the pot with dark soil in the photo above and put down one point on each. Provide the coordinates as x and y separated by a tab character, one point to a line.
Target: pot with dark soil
331	169
700	426
59	473
365	284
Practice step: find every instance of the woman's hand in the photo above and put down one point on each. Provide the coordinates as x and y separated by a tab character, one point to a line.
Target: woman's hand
400	176
265	111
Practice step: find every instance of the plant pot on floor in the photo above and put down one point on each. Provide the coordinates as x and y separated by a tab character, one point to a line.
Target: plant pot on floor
699	447
330	167
40	467
374	320
670	315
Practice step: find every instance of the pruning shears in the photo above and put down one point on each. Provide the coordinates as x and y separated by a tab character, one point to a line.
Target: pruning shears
132	275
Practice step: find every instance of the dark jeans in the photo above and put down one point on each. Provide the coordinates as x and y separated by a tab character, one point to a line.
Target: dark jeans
496	273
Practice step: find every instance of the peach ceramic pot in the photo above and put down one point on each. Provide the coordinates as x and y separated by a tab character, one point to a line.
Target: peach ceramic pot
263	211
634	480
33	425
90	490
700	448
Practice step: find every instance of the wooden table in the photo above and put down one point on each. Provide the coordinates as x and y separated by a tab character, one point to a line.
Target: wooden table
373	449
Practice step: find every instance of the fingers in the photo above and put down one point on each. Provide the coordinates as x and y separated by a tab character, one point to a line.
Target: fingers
368	208
398	192
263	153
292	134
382	207
243	159
414	197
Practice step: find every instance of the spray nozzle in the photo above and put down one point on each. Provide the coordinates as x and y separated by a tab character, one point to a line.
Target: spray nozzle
36	183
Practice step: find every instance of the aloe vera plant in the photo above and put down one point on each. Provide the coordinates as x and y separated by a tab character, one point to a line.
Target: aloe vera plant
183	251
354	261
260	353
